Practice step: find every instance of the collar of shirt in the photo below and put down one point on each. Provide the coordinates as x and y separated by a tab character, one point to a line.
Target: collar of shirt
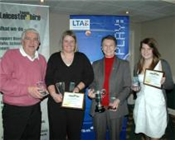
26	55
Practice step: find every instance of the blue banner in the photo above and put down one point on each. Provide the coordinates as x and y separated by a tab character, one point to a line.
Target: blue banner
89	31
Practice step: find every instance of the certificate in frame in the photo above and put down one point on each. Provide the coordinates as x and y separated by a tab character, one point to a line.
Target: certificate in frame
153	78
73	100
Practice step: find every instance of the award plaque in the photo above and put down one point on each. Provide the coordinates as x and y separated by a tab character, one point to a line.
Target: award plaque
73	100
153	78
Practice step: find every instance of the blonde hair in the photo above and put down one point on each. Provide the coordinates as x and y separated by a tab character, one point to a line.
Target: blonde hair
72	34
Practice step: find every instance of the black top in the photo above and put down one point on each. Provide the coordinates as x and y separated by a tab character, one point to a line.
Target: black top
79	71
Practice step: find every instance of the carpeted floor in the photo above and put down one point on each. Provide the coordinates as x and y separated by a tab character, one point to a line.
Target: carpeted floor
130	135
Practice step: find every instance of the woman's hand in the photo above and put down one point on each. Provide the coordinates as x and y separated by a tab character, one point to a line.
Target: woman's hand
57	97
91	93
76	90
163	80
135	88
113	106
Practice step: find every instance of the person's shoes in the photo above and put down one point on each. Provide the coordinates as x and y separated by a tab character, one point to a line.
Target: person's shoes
144	137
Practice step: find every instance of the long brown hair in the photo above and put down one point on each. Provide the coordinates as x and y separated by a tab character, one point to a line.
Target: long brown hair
152	43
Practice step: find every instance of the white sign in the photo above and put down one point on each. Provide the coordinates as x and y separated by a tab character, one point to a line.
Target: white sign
14	19
79	24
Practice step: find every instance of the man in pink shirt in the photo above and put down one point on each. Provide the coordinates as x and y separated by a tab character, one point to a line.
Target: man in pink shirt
20	71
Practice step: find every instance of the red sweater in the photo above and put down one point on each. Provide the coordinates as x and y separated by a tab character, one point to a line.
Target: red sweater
17	73
108	67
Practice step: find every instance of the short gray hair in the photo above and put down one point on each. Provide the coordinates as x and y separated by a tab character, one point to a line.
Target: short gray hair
31	30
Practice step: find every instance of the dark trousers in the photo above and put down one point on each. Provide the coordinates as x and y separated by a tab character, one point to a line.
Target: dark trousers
103	123
21	123
64	123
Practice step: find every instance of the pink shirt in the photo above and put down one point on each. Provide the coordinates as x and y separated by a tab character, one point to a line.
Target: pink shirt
17	73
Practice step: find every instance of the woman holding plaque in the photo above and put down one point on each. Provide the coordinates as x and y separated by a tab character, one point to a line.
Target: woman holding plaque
109	91
150	111
74	70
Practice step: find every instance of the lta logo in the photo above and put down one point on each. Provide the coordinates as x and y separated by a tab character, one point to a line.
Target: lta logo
79	24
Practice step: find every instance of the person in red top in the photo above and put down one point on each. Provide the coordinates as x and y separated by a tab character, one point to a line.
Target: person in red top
112	75
20	71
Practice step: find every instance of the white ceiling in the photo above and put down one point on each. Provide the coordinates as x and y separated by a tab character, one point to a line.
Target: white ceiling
140	10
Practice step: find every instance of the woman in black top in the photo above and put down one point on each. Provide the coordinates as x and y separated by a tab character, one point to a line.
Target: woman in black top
70	67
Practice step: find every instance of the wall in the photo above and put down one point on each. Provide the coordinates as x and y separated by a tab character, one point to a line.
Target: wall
163	30
135	37
58	24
